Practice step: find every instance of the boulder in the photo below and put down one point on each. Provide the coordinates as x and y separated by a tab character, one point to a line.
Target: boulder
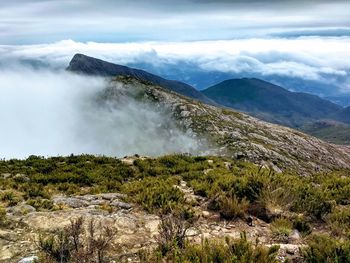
294	236
121	204
21	209
111	196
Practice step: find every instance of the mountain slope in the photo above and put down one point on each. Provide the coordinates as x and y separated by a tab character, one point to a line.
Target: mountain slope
343	115
234	134
91	66
270	102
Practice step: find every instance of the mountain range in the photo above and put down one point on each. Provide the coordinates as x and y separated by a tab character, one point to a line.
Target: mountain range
271	102
225	132
264	100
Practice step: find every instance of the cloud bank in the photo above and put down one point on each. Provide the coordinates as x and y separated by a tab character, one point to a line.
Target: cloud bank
322	60
56	113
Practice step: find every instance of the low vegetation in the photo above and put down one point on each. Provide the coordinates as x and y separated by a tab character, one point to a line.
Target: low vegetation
81	241
235	189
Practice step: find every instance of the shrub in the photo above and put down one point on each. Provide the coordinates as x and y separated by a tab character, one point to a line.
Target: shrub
41	204
172	232
303	226
10	198
276	199
230	250
322	248
155	193
76	243
281	228
2	216
34	190
232	208
339	221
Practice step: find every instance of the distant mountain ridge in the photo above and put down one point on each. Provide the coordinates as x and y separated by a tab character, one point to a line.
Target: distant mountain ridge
343	115
92	66
271	102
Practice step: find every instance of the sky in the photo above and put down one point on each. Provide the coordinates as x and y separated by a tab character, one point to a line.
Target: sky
46	21
303	39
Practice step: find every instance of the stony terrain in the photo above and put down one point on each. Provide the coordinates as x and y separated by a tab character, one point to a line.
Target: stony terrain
238	135
136	229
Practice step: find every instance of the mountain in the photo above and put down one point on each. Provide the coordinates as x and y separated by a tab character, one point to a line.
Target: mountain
270	102
343	115
329	130
92	66
233	134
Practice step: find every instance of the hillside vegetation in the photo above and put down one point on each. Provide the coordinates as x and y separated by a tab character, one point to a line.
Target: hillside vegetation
318	206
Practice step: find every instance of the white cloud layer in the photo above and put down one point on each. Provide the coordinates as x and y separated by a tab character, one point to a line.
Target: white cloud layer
323	59
56	113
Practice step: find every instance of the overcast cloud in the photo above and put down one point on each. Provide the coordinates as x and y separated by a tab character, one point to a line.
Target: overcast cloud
38	21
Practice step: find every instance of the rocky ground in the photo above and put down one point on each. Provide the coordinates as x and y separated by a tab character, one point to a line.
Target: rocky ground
136	229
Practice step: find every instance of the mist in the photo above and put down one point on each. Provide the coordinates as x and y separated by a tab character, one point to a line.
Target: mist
50	113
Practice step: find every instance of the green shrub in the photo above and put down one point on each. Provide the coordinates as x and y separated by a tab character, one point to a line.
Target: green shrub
10	198
230	250
339	221
302	225
281	228
232	208
2	216
155	193
41	204
322	248
34	190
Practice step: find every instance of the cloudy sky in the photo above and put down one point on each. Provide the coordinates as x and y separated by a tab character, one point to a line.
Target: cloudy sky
303	39
39	21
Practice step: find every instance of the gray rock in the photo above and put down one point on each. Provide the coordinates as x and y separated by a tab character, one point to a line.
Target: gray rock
98	202
6	175
70	201
28	259
294	236
21	209
111	196
87	198
121	205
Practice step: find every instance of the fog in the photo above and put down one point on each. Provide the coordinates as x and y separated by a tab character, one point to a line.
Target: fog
57	113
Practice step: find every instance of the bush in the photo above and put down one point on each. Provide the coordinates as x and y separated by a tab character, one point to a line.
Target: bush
155	193
76	243
10	198
339	221
237	251
322	248
2	216
282	228
232	208
172	232
40	204
303	226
